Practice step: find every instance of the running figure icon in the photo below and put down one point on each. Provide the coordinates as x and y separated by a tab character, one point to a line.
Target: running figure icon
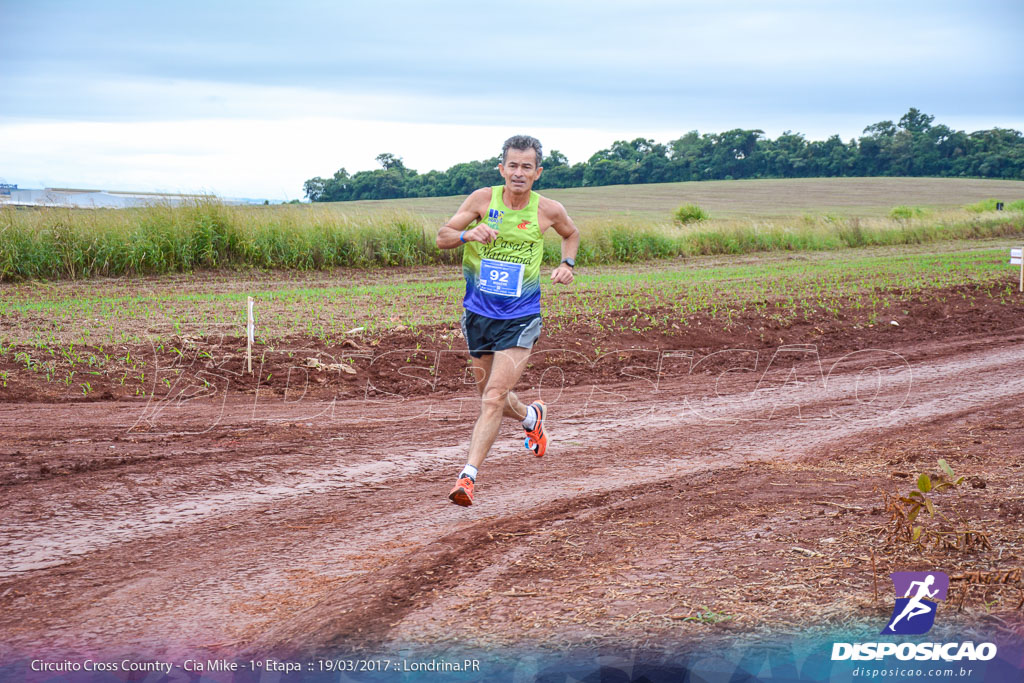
915	606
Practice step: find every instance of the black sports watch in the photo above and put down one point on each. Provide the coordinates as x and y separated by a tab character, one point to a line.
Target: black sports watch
571	262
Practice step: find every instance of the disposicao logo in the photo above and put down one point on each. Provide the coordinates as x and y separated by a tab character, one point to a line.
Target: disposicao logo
914	613
917	595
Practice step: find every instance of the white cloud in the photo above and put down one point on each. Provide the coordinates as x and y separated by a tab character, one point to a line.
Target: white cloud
250	100
251	158
272	158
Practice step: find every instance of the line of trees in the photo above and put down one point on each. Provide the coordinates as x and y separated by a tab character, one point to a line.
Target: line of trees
912	147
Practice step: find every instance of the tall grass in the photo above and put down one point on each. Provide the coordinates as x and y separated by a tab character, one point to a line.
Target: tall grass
80	243
621	242
205	234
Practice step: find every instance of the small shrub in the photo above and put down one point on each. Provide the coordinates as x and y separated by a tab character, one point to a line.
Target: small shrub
982	206
907	212
947	535
690	213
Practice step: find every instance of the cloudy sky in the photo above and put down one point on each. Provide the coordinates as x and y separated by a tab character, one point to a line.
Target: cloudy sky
249	99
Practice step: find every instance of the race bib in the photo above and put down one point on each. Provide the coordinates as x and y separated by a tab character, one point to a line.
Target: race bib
500	277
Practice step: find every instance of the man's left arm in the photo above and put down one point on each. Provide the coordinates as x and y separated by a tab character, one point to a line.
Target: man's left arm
563	225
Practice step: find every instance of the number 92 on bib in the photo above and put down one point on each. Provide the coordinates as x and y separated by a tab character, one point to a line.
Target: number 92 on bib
500	277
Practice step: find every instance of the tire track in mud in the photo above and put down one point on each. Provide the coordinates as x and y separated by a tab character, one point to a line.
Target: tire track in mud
919	393
789	398
213	521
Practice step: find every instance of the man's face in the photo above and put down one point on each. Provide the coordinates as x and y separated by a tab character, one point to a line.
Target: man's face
520	169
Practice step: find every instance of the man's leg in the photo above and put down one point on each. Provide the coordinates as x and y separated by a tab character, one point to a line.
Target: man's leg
496	375
513	407
497	399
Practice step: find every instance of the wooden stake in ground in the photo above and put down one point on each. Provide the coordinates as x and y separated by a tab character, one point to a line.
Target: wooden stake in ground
250	330
1017	257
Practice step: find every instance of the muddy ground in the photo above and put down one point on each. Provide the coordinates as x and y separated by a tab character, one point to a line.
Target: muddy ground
707	483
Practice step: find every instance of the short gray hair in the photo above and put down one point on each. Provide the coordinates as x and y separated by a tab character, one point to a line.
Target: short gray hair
522	142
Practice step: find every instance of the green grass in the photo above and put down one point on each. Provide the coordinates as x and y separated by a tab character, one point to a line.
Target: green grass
323	307
987	205
81	336
75	244
207	235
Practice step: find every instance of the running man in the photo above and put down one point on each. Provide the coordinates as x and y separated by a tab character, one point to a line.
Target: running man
501	229
915	606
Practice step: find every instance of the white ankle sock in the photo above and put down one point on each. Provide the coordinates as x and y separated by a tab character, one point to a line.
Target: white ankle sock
531	418
468	471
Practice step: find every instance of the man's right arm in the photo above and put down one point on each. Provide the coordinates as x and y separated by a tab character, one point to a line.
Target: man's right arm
448	237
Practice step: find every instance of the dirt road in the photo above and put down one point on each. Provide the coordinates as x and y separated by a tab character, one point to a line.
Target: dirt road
246	524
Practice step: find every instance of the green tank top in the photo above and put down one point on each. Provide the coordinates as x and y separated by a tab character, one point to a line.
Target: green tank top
503	277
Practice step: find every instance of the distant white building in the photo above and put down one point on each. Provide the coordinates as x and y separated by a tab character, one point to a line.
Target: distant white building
93	199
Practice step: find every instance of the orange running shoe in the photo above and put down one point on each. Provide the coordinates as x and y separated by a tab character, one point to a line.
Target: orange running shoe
536	438
462	494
